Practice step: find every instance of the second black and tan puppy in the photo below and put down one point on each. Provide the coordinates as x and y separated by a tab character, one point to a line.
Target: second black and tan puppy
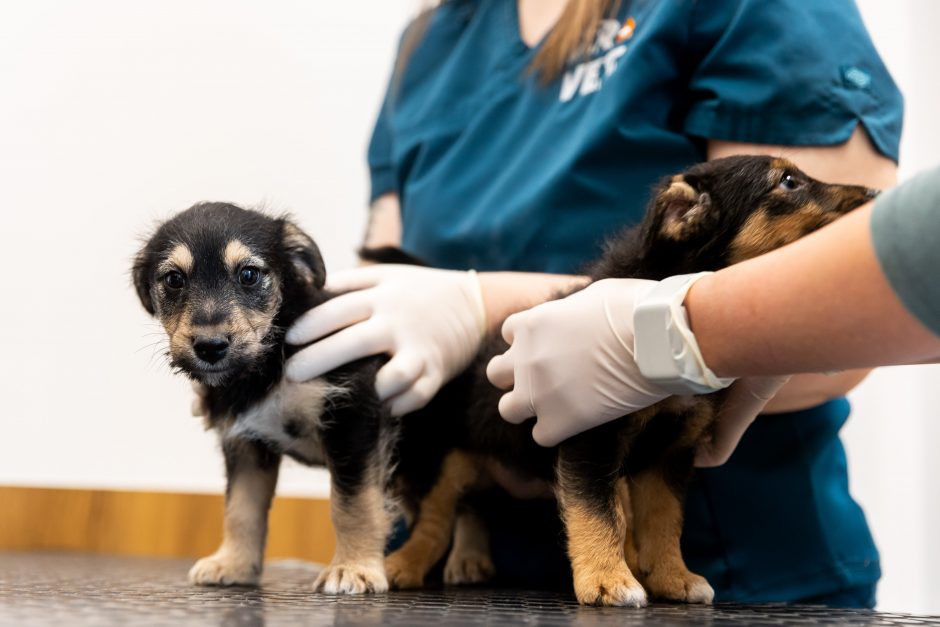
619	486
226	283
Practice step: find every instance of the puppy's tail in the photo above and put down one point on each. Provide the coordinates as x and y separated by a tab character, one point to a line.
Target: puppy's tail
388	254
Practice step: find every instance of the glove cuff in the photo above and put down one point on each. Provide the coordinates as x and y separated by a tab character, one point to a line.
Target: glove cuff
476	296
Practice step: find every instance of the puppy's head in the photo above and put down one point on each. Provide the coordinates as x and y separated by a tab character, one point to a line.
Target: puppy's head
224	282
724	211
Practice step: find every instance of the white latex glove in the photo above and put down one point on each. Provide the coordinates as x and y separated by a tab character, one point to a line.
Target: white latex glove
746	399
571	362
429	321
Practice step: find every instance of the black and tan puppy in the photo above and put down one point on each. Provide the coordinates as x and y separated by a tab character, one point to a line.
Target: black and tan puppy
226	283
619	486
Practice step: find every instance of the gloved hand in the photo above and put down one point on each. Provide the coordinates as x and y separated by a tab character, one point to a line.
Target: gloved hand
571	365
429	321
746	398
571	362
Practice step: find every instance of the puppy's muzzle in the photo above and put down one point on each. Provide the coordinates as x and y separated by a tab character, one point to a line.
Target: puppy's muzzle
211	350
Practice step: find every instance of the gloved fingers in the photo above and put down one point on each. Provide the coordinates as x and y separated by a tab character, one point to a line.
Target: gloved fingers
515	406
508	329
355	342
400	373
500	370
417	396
718	447
547	433
745	400
356	278
763	388
334	314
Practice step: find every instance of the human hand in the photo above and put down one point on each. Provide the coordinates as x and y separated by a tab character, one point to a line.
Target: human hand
746	399
429	321
571	362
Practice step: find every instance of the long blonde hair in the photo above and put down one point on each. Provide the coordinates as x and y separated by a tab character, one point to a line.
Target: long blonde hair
571	36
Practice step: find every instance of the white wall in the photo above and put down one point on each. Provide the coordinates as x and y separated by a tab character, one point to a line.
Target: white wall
893	433
115	114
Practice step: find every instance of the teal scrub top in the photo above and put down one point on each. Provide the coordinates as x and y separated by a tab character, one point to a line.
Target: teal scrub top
496	171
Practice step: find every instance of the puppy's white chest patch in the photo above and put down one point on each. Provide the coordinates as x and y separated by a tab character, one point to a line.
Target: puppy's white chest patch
289	418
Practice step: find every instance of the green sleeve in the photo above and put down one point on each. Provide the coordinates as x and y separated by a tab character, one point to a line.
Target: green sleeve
905	228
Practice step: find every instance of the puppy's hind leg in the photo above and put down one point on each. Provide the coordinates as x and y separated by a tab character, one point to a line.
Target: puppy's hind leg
434	525
629	542
469	561
252	470
595	525
657	508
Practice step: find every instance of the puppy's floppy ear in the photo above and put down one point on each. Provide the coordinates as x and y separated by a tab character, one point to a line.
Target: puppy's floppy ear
303	255
141	272
682	209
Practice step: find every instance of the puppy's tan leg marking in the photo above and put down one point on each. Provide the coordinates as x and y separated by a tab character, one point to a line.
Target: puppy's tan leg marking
629	543
361	523
240	557
595	547
434	526
658	520
469	561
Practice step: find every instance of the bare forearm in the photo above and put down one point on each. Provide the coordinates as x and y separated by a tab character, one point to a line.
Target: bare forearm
384	226
505	293
855	162
820	304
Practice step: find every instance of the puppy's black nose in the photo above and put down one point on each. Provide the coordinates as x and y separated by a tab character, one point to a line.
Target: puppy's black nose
210	349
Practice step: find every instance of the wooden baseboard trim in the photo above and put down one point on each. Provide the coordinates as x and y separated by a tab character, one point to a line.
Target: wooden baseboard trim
151	523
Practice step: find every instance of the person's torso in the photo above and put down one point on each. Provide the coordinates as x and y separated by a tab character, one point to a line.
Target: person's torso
498	172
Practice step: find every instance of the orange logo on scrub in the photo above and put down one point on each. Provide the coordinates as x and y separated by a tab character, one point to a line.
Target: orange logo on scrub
626	31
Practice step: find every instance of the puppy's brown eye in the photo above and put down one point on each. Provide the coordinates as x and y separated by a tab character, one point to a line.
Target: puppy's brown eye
789	183
174	280
249	276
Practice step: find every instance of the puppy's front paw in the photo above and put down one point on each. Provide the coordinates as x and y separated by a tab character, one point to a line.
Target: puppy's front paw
468	567
681	586
221	569
351	578
617	586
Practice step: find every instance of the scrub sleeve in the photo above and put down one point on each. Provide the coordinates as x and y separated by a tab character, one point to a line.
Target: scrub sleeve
905	229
